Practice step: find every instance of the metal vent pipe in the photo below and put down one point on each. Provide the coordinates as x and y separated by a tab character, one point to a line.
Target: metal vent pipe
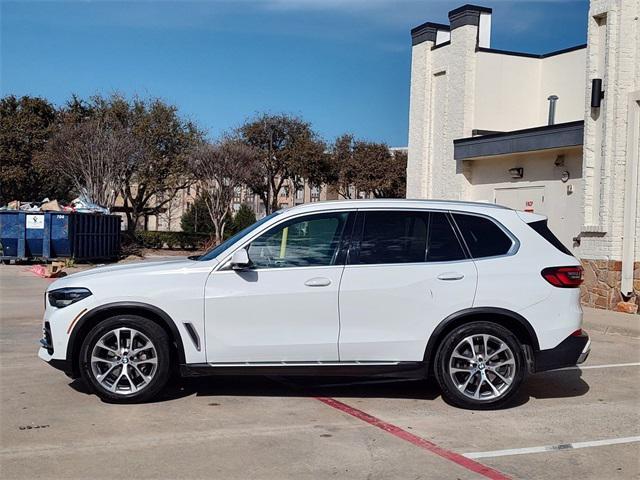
552	109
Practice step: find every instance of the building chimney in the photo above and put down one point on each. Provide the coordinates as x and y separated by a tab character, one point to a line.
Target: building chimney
473	15
430	32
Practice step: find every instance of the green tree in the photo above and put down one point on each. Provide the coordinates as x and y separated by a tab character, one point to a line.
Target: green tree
288	150
243	218
196	218
25	128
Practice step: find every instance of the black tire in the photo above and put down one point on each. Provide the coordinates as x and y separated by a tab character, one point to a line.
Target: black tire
443	359
160	342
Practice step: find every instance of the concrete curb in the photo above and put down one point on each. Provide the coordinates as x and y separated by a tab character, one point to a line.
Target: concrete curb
611	323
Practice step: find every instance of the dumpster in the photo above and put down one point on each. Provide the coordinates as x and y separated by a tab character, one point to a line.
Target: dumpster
52	235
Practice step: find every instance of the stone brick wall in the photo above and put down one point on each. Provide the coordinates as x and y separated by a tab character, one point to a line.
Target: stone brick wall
601	287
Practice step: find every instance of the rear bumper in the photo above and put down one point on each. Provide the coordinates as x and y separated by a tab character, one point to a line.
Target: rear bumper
571	351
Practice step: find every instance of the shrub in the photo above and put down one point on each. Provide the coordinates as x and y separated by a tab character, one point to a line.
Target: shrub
171	240
196	218
242	219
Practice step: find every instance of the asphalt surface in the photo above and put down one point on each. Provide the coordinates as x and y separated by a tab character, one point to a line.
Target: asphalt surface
579	423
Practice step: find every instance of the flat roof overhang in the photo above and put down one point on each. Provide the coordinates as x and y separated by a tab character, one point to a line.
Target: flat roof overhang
560	135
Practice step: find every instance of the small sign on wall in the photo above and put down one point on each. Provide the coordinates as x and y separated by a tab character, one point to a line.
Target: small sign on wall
528	206
35	222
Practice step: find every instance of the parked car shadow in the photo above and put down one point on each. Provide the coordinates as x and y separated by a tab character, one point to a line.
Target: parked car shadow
558	384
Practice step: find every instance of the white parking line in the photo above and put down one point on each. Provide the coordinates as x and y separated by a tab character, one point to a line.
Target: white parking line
610	365
552	448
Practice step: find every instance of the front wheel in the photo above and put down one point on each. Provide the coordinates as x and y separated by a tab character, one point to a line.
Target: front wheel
125	359
480	365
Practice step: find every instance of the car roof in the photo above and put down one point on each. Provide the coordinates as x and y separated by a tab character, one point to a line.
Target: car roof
396	203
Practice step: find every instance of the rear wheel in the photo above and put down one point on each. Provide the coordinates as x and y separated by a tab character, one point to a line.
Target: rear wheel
480	365
125	359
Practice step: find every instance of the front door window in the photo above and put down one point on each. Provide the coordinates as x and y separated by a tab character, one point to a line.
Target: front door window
310	241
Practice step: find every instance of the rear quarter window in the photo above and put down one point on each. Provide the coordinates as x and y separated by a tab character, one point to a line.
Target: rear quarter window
543	229
483	237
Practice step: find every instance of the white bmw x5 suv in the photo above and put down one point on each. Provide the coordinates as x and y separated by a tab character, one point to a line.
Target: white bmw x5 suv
475	294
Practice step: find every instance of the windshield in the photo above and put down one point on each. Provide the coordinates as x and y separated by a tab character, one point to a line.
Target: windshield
214	252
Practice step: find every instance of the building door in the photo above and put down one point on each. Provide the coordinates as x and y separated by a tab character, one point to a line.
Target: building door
528	199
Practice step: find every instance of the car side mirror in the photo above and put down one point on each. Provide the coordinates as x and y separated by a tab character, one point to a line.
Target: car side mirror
240	260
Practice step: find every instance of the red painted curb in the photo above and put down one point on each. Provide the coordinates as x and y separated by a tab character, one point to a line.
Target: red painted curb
417	441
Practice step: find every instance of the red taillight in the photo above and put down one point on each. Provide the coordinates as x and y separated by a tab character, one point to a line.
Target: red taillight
563	277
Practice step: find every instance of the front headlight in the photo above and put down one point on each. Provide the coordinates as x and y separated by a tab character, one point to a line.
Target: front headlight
64	297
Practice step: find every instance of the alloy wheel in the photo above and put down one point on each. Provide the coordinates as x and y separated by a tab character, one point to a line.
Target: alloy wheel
124	361
482	367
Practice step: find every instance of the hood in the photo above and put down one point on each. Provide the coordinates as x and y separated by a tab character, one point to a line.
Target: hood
138	268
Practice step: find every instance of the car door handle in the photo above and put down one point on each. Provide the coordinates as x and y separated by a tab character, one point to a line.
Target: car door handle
318	282
451	276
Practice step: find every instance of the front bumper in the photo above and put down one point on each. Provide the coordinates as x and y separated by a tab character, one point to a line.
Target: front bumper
572	351
63	365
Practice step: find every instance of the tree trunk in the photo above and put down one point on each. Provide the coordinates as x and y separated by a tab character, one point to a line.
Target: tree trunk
218	228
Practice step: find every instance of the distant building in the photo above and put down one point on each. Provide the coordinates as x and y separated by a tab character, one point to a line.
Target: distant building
534	132
171	215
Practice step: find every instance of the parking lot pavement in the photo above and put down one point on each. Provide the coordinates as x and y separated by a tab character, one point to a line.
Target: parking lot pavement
565	424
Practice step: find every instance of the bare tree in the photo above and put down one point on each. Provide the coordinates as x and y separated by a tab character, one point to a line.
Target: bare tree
94	156
219	169
289	151
344	168
363	166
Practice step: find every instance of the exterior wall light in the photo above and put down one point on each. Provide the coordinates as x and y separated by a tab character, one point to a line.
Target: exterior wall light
597	94
517	172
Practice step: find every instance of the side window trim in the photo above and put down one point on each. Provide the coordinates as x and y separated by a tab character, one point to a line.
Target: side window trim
356	238
456	233
515	243
459	236
346	242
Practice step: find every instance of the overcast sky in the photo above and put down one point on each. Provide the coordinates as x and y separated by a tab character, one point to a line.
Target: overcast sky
342	65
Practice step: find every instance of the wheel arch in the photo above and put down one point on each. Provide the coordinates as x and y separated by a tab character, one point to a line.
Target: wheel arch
513	321
98	314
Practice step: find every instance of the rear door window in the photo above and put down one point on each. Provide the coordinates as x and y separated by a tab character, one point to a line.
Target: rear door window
392	237
483	237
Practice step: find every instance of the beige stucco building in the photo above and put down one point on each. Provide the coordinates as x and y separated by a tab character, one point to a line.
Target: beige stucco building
170	217
534	132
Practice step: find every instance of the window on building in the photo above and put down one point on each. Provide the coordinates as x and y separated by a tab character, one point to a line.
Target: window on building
483	237
306	242
443	243
237	194
392	237
315	194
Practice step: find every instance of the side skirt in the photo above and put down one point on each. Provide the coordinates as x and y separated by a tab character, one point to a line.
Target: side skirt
332	369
